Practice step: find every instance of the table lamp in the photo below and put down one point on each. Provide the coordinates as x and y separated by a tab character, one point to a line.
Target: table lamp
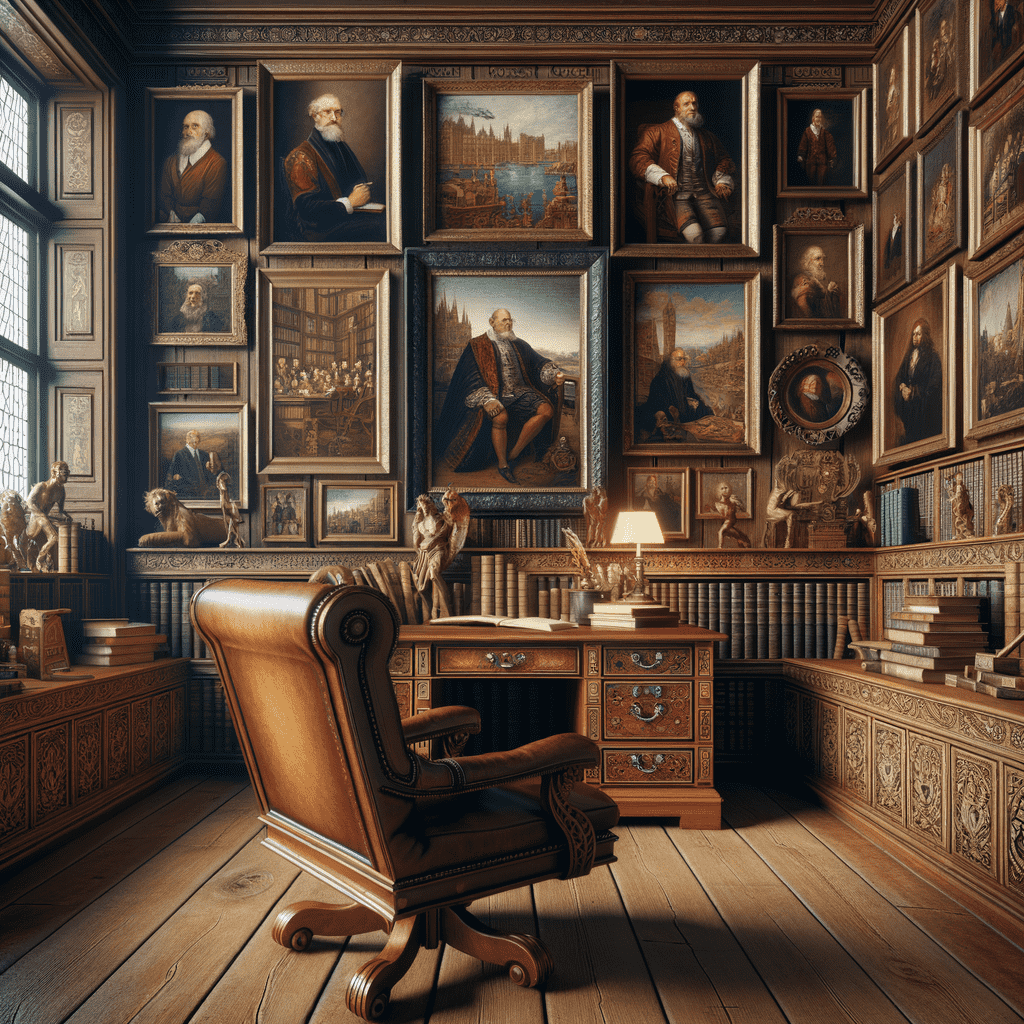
637	528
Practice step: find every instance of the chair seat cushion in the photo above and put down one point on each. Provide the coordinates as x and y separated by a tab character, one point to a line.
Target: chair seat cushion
503	822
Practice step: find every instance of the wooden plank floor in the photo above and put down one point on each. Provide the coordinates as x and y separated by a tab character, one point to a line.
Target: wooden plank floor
163	915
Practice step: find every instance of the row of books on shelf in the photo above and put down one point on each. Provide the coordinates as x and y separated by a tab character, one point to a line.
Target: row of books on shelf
898	516
210	728
523	533
194	377
165	604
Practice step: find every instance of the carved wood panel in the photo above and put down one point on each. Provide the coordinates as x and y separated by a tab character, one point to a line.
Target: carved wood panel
645	766
855	754
973	809
88	755
14	787
76	293
829	763
639	711
78	175
929	799
51	756
1015	829
889	773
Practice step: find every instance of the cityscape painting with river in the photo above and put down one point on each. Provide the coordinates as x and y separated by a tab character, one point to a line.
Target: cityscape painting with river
507	161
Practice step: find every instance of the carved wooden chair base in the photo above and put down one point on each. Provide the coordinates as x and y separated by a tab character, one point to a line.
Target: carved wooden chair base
528	961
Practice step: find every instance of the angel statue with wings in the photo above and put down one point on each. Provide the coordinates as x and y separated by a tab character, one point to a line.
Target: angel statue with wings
438	536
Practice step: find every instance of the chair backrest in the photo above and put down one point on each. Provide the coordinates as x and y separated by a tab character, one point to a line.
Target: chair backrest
304	668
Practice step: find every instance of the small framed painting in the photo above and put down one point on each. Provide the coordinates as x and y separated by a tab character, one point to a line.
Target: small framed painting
666	493
940	194
890	215
893	85
284	513
354	513
939	49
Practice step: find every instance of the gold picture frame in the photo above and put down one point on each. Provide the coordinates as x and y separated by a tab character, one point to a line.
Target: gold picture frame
665	491
348	512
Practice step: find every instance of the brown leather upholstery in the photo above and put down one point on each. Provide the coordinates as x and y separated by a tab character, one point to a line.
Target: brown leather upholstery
406	839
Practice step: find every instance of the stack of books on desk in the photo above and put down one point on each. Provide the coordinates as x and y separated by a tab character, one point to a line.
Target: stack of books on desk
623	615
119	642
931	636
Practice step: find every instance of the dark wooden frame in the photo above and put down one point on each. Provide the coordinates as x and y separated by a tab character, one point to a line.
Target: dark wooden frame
894	58
642	92
946	147
892	195
838	238
426	274
323	536
985	76
634	475
933	103
846	117
267	492
373	129
706	474
932	297
641	366
580	91
841	373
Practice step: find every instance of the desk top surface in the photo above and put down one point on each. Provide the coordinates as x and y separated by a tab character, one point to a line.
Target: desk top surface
486	634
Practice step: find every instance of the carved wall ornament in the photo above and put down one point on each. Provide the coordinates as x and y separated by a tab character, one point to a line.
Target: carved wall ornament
77	143
889	778
972	810
855	778
1015	829
927	784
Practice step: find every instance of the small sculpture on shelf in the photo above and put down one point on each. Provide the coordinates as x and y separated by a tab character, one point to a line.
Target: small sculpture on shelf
229	513
728	506
46	503
438	536
13	520
182	528
595	509
1004	516
862	526
782	506
960	506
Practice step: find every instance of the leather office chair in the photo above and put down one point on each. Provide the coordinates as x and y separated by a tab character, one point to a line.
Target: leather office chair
408	842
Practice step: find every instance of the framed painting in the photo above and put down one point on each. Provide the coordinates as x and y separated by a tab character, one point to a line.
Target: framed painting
818	272
823	143
192	443
818	395
197	294
718	489
353	513
324	366
996	41
914	369
284	513
993	353
692	375
940	194
329	157
507	378
194	161
995	155
890	216
666	493
508	161
720	102
892	99
939	31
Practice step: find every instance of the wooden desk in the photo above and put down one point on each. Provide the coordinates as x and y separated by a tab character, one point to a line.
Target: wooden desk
645	696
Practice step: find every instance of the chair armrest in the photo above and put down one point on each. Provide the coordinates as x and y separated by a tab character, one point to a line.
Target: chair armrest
452	724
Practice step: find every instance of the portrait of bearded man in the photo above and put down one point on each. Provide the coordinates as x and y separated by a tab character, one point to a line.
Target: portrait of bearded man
673	395
812	293
194	180
195	316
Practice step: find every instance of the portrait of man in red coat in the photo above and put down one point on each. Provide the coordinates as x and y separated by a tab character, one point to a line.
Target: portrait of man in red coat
194	180
817	150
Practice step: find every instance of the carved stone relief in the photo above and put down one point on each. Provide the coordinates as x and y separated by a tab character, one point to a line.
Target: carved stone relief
77	146
972	809
889	778
76	296
927	788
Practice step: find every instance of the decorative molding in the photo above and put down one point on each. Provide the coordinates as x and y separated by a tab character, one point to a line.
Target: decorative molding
956	555
46	63
76	140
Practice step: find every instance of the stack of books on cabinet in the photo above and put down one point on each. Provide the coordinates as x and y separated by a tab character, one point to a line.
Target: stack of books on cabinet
624	615
933	635
119	642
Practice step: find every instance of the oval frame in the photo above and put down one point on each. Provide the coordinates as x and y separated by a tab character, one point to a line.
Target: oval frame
844	377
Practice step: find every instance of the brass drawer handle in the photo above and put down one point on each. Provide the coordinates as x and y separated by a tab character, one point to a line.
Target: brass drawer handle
654	691
637	761
638	712
638	660
506	660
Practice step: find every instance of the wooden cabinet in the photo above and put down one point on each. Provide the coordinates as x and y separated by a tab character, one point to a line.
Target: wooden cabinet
645	696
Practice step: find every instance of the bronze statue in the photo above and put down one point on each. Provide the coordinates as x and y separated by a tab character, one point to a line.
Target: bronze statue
229	513
42	499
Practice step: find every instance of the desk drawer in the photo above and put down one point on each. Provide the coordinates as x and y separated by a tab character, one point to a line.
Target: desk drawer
647	711
647	767
662	660
503	658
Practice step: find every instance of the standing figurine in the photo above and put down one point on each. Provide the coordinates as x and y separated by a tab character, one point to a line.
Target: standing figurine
229	512
1004	518
595	508
961	507
47	495
728	506
438	537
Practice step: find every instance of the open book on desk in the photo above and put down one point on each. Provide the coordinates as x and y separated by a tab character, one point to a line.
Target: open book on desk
528	622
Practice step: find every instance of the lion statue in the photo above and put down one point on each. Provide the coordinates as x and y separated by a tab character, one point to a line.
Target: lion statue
13	520
182	528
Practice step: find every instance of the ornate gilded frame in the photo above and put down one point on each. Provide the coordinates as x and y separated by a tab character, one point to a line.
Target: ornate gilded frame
893	87
221	269
320	316
536	105
165	109
940	203
379	503
299	493
642	93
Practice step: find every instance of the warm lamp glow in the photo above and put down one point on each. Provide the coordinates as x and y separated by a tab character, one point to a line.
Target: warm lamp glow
637	528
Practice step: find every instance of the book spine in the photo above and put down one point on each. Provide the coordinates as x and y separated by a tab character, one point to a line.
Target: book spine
475	576
186	622
165	609
774	619
760	645
810	620
786	618
703	604
832	625
175	635
543	602
498	583
523	589
511	592
487	585
692	599
864	607
797	620
738	624
555	599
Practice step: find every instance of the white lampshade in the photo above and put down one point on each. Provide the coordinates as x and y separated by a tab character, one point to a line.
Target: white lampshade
637	528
